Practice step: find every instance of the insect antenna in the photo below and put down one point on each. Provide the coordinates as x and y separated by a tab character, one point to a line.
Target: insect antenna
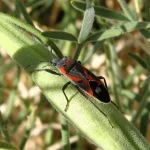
42	61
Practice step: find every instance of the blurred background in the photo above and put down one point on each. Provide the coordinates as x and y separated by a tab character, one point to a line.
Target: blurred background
27	112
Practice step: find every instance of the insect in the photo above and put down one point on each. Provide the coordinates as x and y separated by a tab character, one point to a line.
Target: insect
82	78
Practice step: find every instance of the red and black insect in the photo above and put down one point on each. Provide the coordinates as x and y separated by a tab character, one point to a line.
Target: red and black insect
82	78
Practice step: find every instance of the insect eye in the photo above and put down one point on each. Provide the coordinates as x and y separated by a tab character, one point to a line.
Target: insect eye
54	64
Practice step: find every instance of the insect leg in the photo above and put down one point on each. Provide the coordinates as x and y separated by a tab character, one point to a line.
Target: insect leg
115	104
104	115
63	89
38	62
101	77
48	70
82	92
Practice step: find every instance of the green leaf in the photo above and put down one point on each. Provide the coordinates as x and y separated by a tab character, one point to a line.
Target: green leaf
138	60
119	30
24	12
129	94
126	10
100	11
137	71
144	122
101	123
146	33
20	26
6	146
60	35
147	10
87	24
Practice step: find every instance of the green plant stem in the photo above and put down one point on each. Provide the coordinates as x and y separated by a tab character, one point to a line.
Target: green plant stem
114	72
49	136
26	135
144	122
65	134
143	103
30	125
12	96
3	128
78	51
88	3
125	8
24	12
21	117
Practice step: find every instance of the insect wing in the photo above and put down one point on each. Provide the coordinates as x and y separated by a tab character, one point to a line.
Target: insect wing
77	77
83	78
100	91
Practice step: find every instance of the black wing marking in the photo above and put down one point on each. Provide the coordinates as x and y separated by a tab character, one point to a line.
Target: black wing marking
77	70
100	92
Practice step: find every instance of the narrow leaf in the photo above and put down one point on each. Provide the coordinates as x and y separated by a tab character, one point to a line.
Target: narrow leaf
60	35
138	59
116	31
24	12
129	94
86	24
144	122
137	71
146	33
100	11
147	10
126	10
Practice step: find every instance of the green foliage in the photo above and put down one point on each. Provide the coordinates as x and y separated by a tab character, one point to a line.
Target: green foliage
60	35
101	29
7	146
100	11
